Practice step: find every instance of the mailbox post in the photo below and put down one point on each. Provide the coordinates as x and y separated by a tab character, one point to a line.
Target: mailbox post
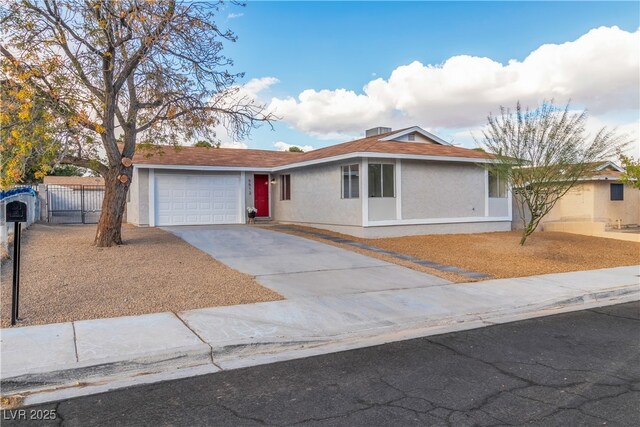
16	212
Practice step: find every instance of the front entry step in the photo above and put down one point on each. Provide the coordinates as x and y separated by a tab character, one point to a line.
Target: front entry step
265	221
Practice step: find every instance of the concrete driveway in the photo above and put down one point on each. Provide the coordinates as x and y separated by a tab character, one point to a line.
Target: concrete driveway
297	267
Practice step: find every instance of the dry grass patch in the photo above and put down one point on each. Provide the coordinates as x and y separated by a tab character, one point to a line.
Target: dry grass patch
65	278
500	254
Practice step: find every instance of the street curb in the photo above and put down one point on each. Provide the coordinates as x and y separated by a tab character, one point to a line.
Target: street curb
90	377
239	355
84	373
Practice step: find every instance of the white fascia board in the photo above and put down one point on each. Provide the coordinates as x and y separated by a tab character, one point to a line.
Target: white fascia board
205	168
341	157
603	178
607	164
437	221
381	156
415	129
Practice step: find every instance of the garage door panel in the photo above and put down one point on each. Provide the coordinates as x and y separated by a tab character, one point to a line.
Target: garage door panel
197	199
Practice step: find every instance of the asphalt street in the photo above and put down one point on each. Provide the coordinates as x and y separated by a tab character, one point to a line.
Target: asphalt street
573	369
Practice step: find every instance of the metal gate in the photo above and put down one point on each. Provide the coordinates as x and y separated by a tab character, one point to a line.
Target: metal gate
74	204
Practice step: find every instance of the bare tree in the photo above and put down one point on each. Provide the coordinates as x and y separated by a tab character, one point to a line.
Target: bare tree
122	72
542	154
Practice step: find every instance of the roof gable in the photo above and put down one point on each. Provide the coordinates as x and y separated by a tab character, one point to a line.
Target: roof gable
610	166
400	136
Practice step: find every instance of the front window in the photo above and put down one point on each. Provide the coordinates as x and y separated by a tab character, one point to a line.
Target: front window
350	182
381	180
617	192
497	185
285	187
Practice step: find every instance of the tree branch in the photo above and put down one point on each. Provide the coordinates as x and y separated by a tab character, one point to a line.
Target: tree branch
94	165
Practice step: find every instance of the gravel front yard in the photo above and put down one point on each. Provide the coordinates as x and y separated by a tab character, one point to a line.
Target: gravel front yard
500	254
64	277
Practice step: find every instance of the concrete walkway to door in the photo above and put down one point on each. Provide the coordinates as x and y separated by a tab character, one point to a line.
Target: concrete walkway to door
297	267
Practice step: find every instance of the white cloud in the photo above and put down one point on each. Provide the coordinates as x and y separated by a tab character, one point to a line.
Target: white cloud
248	91
233	144
464	137
255	86
599	70
283	146
235	15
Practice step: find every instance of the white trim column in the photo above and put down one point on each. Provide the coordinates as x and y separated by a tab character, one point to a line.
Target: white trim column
364	190
271	194
152	198
398	189
510	202
243	198
486	192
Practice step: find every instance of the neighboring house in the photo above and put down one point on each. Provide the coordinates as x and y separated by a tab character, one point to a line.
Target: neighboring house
73	180
596	202
389	183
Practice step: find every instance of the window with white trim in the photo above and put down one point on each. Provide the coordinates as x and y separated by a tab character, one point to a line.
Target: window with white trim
381	180
497	186
351	181
285	187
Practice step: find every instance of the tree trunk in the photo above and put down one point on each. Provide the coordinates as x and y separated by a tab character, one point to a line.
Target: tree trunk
113	205
529	228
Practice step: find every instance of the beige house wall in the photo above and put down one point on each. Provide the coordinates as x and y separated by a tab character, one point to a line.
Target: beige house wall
576	205
591	202
316	197
609	211
443	190
417	229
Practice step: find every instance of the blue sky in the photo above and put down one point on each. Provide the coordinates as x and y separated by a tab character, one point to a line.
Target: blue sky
345	45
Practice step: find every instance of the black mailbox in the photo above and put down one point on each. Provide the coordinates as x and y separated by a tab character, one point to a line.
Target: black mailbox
16	212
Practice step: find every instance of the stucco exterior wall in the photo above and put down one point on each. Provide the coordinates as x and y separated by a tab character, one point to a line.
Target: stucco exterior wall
132	207
576	205
498	206
591	202
438	190
609	211
382	208
413	230
316	197
138	204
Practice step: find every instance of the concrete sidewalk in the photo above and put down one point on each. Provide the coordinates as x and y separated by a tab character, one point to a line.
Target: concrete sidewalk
52	362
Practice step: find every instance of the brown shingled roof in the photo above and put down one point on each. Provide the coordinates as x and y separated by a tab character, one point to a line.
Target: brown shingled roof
200	156
609	174
73	180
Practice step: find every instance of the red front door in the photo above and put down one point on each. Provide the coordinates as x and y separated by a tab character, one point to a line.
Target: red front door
261	194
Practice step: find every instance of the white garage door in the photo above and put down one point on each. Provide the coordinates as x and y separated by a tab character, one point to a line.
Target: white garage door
197	199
